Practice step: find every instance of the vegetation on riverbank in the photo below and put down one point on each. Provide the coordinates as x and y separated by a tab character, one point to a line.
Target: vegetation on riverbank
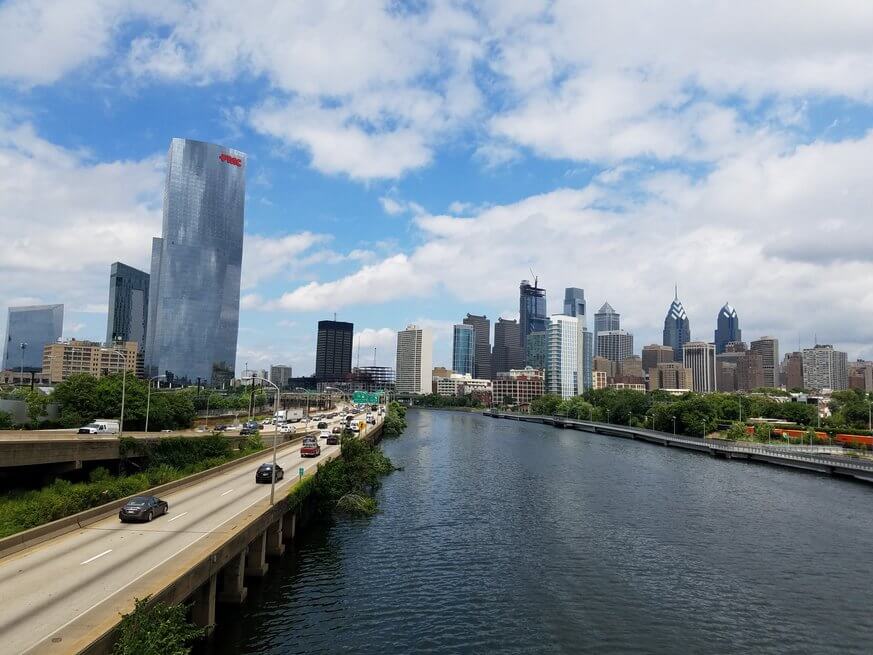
158	629
168	460
395	420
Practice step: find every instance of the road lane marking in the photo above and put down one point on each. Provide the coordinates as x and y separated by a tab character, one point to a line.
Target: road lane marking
227	492
91	559
178	516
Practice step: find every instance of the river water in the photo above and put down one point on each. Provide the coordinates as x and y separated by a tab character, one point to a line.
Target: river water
507	537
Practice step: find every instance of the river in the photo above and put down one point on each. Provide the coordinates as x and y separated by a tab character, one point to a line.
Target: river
507	537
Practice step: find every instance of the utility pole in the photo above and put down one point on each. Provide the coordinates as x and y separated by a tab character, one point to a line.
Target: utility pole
252	399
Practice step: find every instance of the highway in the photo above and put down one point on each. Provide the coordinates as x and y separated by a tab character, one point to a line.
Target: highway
83	575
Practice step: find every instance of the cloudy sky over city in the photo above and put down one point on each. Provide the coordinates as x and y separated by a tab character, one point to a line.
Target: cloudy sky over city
413	161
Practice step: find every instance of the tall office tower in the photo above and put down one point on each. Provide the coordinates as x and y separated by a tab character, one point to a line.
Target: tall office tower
768	348
605	319
333	350
615	345
128	304
792	368
566	357
727	329
532	312
861	375
463	349
699	356
414	360
825	368
482	356
193	318
677	328
28	331
655	354
670	375
280	374
507	354
537	349
574	305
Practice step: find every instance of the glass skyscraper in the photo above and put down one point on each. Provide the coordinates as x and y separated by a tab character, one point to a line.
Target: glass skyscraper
333	350
35	326
574	305
677	328
128	304
532	313
727	328
193	316
463	349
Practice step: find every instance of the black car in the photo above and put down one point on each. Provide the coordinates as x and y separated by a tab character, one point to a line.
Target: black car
333	439
143	508
246	431
322	425
265	473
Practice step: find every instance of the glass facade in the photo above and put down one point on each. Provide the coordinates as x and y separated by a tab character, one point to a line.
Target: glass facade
533	316
727	328
463	349
36	326
333	350
677	328
195	276
128	304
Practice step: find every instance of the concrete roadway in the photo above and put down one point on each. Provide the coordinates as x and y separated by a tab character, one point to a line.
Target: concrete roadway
86	572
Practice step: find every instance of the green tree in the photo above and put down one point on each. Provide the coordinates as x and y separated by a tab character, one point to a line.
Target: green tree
156	630
5	420
736	432
545	405
37	402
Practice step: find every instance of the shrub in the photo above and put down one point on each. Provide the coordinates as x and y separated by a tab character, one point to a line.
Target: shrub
157	630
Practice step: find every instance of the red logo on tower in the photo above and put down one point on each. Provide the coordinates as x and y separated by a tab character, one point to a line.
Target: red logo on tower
236	161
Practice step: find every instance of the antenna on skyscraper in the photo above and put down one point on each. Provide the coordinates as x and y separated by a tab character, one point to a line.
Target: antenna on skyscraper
358	365
374	355
533	276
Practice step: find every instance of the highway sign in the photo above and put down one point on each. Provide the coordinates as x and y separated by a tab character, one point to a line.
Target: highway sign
365	398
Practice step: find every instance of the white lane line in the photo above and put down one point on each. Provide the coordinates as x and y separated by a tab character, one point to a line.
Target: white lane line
91	559
226	492
178	516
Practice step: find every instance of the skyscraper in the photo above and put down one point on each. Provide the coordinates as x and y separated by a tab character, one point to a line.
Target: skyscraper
193	318
768	348
574	305
507	354
128	304
565	356
727	328
699	356
333	350
463	349
537	350
792	365
606	318
615	345
280	374
677	328
414	360
28	331
482	356
825	368
532	312
655	354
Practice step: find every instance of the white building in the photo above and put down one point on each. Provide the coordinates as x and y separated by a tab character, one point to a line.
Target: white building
458	384
825	368
565	356
699	356
414	360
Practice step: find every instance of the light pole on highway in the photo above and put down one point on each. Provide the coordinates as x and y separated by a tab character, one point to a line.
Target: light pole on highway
149	400
123	355
674	426
23	347
275	434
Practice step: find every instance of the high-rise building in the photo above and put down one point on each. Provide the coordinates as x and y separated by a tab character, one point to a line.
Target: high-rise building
792	366
61	360
280	374
507	354
381	377
463	349
677	328
768	348
615	345
566	357
861	375
517	386
537	349
655	354
825	368
727	328
699	356
605	319
333	350
532	312
738	369
414	360
482	356
128	304
193	316
574	305
28	331
604	365
670	375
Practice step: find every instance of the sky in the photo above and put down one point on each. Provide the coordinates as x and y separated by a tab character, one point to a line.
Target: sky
412	161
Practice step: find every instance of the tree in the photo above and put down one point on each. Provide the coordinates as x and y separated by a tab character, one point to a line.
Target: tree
545	405
508	401
736	431
5	420
37	402
157	630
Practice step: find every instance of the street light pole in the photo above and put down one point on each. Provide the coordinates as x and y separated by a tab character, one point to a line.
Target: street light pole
23	347
149	400
674	426
275	434
123	356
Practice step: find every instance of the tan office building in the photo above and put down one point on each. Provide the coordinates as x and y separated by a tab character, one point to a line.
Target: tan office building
61	360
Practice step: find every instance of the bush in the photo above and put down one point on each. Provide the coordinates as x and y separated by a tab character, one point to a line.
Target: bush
395	420
157	630
5	420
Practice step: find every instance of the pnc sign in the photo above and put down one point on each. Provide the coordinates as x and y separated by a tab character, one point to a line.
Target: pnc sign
235	161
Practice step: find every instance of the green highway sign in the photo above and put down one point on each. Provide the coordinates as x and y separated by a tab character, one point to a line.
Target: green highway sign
366	398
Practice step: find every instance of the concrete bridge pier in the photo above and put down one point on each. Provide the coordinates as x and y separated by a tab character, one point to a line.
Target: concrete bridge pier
203	608
275	547
289	527
233	580
256	558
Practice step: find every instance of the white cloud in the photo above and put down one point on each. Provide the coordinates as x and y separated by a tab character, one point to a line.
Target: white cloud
384	340
264	257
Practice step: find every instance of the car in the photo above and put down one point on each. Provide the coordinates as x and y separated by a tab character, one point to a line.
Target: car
247	431
143	508
322	425
337	430
333	439
265	473
310	448
354	428
286	428
221	427
324	434
251	425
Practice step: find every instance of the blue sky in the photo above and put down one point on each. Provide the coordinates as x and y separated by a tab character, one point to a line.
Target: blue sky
412	161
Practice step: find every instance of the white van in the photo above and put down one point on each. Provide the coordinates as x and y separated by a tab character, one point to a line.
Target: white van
101	426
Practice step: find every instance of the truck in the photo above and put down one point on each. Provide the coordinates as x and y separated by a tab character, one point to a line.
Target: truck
100	426
288	415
